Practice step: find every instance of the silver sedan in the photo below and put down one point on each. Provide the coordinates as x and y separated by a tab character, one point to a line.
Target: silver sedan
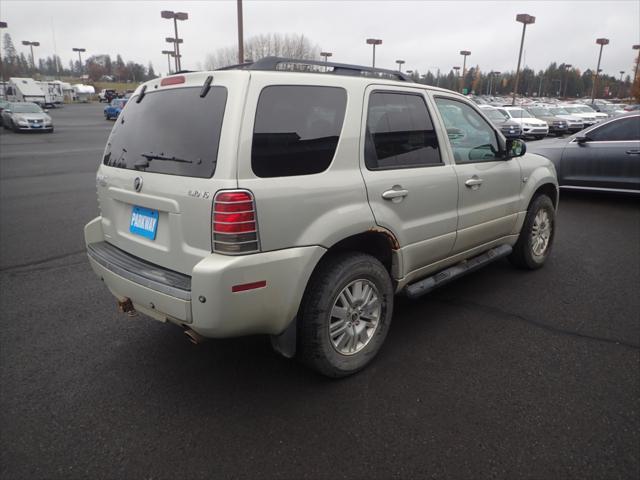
21	116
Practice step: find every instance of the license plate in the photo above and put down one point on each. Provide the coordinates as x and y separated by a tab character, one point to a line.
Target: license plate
144	222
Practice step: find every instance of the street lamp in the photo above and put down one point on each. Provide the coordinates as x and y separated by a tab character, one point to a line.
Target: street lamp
168	14
169	54
635	75
566	79
374	42
400	62
31	45
491	75
525	19
602	42
2	25
621	84
465	54
175	55
80	50
326	55
457	69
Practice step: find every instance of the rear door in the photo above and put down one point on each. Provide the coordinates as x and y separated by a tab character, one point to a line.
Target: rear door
489	193
610	159
412	190
166	157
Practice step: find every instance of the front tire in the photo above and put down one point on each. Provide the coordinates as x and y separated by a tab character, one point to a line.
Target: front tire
345	314
536	237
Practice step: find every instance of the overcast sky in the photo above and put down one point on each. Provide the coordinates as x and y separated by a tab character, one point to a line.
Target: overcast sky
426	34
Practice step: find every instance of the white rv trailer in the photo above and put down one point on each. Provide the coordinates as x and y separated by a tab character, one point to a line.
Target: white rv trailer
53	91
25	90
83	92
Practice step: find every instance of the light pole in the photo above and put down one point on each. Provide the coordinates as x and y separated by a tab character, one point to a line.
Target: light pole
400	62
31	45
240	34
602	42
525	19
457	69
465	54
176	56
326	55
566	79
635	75
169	54
374	42
491	75
80	50
168	14
620	89
2	25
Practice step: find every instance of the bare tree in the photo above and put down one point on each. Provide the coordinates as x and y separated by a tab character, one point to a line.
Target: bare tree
265	45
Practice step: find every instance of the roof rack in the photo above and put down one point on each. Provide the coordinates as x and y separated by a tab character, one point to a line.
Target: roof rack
272	63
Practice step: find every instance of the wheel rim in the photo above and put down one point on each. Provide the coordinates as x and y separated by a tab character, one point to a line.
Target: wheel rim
354	317
540	233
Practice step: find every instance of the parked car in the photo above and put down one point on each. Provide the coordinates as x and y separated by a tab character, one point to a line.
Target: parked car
508	127
557	125
632	108
612	109
588	117
3	105
106	95
603	157
599	116
574	123
26	116
275	209
531	126
114	108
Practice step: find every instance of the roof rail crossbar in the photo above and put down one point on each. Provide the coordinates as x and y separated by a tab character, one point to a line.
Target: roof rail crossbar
271	64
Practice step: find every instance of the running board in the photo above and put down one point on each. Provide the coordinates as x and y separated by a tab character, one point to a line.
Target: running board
425	285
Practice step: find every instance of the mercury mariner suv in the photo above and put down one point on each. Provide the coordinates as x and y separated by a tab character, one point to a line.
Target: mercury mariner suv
296	198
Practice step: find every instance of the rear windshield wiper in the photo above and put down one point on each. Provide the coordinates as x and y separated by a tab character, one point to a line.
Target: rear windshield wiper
150	156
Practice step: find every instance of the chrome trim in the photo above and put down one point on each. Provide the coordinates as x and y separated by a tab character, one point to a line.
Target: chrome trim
600	189
140	271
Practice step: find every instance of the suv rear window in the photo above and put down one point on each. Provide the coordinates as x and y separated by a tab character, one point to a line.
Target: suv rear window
297	129
174	131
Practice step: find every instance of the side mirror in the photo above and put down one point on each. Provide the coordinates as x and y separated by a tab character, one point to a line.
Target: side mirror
581	139
516	148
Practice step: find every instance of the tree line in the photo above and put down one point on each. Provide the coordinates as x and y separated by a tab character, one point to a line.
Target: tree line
96	67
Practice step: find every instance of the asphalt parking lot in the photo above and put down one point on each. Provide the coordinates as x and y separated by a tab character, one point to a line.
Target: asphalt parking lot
502	374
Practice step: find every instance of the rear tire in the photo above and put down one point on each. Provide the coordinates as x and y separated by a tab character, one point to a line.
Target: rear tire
536	237
345	314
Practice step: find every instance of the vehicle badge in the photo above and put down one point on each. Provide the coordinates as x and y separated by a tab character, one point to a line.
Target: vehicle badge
137	184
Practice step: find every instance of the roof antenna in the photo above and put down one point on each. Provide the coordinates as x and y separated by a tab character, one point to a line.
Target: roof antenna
142	93
206	87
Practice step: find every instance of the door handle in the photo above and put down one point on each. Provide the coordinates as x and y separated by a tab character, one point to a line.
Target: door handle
474	182
633	152
396	194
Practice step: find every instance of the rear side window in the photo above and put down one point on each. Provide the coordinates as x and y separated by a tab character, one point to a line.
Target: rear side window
399	132
626	129
296	130
172	131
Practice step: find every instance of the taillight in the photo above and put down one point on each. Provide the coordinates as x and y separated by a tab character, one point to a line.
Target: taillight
235	228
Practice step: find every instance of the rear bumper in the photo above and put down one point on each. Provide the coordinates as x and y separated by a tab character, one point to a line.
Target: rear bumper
205	300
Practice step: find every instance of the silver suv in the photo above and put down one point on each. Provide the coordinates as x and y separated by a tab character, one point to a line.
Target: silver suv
296	198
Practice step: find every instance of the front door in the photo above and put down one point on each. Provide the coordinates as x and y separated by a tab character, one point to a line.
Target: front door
489	185
412	191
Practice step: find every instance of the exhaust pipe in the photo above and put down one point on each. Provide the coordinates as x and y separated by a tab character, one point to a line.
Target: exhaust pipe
194	337
126	306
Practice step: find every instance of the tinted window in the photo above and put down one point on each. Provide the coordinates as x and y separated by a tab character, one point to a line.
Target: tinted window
297	129
472	139
618	130
172	131
399	132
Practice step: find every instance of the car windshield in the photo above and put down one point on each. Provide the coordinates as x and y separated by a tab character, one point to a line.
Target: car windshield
558	111
118	103
494	115
25	108
585	109
519	113
174	131
540	112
